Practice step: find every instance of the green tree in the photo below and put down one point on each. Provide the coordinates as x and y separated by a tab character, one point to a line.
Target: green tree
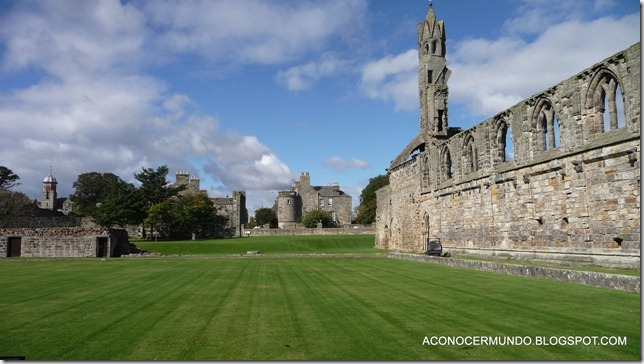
368	202
118	206
8	179
162	216
15	204
313	218
266	216
194	214
91	189
154	186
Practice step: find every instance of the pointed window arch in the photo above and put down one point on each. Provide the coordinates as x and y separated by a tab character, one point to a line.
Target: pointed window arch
545	126
503	142
470	155
446	169
605	102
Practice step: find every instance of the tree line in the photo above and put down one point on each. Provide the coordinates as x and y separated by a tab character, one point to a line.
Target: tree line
110	201
157	206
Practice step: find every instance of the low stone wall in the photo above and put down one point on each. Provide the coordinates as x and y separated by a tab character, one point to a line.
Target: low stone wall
599	258
62	241
313	231
597	279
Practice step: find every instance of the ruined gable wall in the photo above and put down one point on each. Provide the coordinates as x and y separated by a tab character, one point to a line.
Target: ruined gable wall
578	199
398	209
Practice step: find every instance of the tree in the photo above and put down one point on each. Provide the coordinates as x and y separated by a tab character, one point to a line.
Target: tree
8	179
91	189
313	218
194	214
162	217
118	206
368	202
266	216
15	204
154	186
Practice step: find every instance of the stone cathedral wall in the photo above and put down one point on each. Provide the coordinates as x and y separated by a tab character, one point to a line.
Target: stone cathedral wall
573	198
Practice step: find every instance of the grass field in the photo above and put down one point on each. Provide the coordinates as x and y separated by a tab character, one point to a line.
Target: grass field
289	309
329	244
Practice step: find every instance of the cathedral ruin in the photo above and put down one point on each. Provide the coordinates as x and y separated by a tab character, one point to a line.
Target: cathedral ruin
555	177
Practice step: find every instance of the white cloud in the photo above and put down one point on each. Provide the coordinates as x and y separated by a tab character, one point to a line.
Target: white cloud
96	109
491	75
252	31
66	38
303	77
393	78
341	166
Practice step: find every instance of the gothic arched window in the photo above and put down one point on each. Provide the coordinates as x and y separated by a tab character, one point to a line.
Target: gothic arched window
503	142
545	125
446	169
605	102
470	156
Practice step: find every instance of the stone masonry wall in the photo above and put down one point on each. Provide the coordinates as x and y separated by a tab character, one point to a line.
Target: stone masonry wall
53	237
575	196
351	230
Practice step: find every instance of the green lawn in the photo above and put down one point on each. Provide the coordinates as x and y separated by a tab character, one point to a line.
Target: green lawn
330	244
289	309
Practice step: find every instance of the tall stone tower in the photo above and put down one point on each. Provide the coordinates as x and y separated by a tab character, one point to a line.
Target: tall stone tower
49	194
432	76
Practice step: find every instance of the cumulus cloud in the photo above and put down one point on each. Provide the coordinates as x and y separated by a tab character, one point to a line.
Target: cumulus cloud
393	78
94	108
341	166
252	31
545	42
491	75
303	77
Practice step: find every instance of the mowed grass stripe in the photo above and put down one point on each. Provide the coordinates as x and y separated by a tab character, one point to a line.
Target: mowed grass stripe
194	308
527	306
290	309
267	245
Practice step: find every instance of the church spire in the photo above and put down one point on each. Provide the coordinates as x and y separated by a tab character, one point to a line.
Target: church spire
432	75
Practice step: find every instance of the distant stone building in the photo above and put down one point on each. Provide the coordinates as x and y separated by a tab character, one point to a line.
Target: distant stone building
232	209
191	183
50	200
293	204
554	177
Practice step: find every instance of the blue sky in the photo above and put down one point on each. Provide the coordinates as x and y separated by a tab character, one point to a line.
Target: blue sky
247	94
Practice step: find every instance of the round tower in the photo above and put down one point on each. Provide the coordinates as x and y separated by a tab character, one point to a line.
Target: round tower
289	209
